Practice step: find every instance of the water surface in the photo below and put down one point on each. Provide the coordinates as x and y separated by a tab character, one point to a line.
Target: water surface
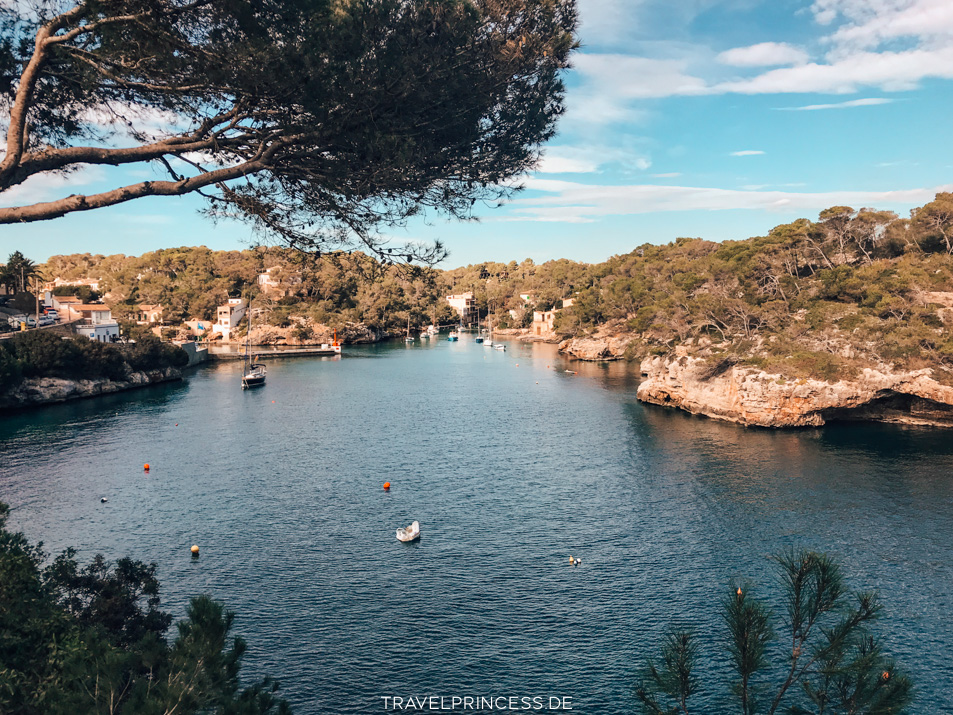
510	464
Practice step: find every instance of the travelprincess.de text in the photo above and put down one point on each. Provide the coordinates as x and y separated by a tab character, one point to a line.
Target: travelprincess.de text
436	703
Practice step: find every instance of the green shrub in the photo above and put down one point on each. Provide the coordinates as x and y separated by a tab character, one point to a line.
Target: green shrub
11	374
150	353
44	354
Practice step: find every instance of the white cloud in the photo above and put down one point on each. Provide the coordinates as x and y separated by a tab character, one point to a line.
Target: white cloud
631	77
764	54
872	23
581	203
48	187
890	71
669	175
869	102
586	159
554	164
747	152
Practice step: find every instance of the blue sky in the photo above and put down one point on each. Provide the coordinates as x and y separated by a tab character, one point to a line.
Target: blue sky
710	118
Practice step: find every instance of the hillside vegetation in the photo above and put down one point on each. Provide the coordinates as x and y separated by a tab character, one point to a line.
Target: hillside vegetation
826	298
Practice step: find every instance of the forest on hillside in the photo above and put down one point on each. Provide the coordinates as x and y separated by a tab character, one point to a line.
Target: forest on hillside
825	298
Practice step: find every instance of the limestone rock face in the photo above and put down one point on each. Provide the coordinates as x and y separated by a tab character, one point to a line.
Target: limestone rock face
48	390
752	397
610	347
361	333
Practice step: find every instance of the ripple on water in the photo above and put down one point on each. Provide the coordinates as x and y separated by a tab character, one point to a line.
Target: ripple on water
282	488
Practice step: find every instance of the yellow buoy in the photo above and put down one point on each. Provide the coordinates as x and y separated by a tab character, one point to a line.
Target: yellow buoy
195	549
571	560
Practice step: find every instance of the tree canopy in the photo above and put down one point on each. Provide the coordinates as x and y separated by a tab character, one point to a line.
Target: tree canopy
316	120
92	640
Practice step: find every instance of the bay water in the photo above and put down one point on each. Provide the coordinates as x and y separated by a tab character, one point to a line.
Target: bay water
511	462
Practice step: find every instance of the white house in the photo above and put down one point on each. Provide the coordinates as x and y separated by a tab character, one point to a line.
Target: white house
228	317
279	280
95	321
464	304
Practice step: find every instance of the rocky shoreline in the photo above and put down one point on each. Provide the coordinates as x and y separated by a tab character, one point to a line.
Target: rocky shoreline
597	348
35	392
752	397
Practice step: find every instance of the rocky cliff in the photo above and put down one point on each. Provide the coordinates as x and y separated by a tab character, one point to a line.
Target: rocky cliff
750	397
597	348
48	390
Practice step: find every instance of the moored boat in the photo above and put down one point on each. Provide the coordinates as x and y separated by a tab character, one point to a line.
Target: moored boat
409	533
253	374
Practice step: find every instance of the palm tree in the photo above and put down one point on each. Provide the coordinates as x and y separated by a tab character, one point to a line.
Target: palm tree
18	271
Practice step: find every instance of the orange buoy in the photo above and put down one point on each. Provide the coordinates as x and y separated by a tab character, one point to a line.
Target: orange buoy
886	675
195	549
386	486
176	424
146	466
738	591
272	402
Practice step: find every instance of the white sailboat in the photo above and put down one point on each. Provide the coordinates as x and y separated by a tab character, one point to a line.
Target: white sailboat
253	374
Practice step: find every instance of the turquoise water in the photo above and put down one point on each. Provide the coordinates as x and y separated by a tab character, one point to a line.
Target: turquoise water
510	464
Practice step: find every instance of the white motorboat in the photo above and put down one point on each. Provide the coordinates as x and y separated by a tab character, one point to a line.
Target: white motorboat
499	346
409	533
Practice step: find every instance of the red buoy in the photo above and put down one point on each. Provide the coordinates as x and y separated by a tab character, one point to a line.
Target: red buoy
386	486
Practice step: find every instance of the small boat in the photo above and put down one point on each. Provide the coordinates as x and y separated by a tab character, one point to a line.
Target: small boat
254	377
253	374
499	346
409	533
453	337
478	340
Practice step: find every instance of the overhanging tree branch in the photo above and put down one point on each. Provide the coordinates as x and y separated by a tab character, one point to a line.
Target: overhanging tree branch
339	118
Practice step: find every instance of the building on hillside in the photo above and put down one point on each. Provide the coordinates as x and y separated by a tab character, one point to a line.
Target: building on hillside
279	280
527	298
463	304
149	314
199	327
91	283
61	303
95	321
228	317
545	320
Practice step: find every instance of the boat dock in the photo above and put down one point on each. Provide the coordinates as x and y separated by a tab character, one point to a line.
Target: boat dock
329	351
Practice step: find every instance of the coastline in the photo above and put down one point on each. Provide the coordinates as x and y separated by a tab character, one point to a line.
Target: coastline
42	391
754	398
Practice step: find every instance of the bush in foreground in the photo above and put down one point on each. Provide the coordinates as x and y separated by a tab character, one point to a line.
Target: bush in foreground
835	666
39	353
93	640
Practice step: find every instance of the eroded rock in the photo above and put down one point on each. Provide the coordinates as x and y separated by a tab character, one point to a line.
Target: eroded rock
752	397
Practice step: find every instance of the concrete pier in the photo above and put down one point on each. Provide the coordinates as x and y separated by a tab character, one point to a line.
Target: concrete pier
269	354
